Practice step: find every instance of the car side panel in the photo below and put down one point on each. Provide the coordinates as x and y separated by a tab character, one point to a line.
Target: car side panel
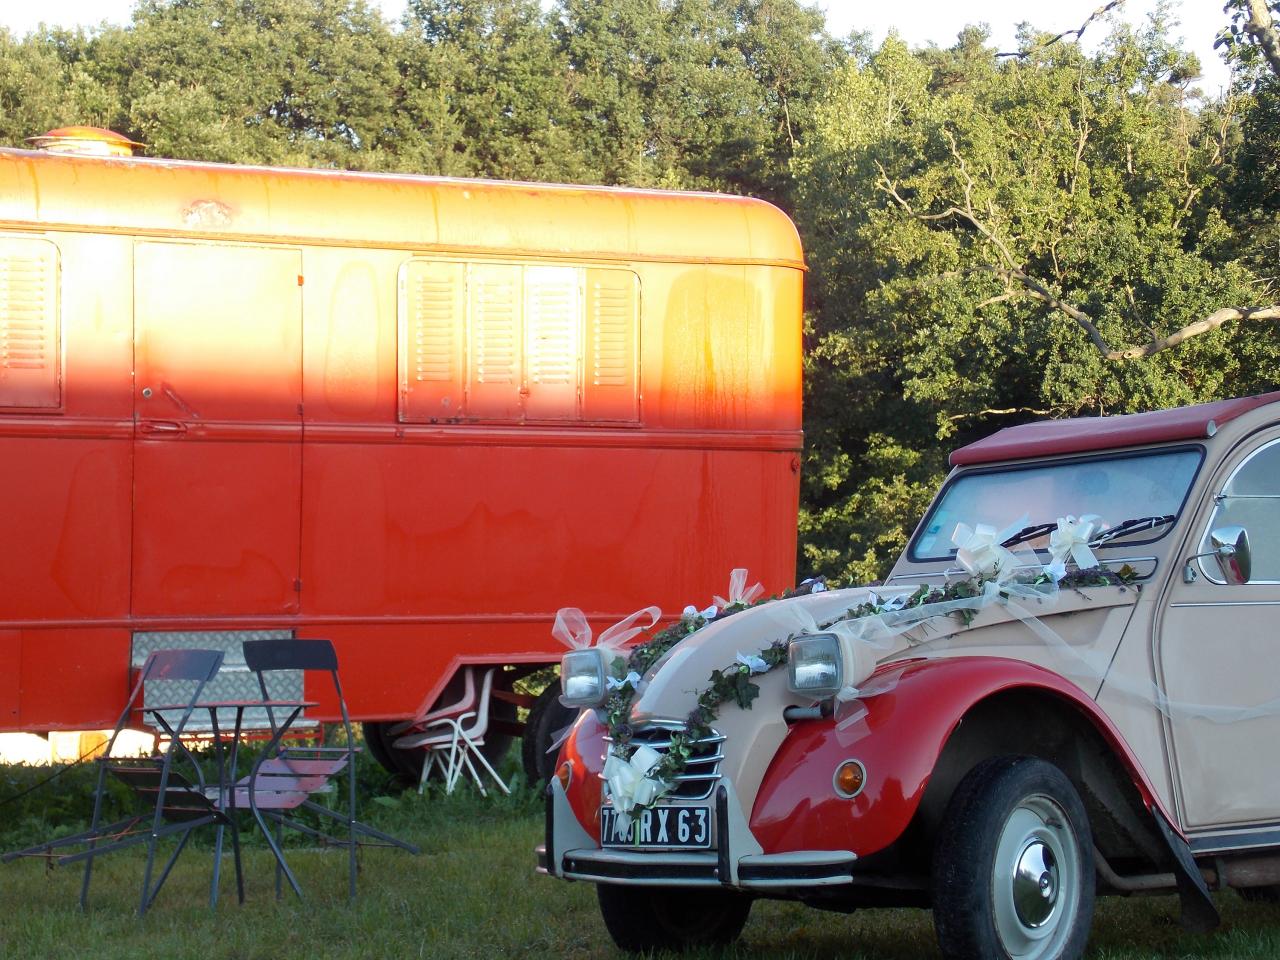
898	735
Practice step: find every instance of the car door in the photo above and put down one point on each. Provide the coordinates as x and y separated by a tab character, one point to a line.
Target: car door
1218	652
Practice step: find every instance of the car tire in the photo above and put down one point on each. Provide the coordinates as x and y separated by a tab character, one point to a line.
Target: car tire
644	919
1013	872
547	717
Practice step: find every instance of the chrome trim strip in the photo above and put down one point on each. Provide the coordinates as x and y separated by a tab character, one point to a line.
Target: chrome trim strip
1222	843
1229	603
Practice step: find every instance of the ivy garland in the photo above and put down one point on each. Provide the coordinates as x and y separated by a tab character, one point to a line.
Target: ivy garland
733	683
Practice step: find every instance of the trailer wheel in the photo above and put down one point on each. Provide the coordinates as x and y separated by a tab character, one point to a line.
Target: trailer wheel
643	919
1013	872
547	717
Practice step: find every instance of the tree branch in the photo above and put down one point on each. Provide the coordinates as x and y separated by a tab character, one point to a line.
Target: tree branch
1211	322
1008	411
1078	32
1263	30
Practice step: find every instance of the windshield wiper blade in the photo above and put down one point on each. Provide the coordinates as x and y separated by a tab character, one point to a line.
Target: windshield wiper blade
1131	526
1030	533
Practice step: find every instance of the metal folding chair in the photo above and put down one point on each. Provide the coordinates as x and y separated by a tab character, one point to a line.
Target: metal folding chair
175	803
285	775
453	740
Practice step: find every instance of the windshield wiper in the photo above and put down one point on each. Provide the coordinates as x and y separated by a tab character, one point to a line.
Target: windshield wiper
1131	526
1030	533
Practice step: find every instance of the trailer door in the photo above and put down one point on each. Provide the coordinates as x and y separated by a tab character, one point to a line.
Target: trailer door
218	438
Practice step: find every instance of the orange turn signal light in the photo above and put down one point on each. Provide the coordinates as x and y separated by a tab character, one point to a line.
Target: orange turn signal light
850	778
565	774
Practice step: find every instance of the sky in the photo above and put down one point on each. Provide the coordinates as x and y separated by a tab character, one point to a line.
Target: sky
920	22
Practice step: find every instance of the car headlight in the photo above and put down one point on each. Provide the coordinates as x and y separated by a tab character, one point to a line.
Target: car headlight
582	678
815	665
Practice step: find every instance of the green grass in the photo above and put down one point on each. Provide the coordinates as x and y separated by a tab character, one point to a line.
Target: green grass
473	894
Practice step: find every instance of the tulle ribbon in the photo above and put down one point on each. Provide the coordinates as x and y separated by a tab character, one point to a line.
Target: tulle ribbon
573	630
739	592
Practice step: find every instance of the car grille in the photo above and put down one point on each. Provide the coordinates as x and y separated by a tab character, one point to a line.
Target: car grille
703	769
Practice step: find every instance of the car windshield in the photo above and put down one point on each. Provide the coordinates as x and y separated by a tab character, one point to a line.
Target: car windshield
1117	488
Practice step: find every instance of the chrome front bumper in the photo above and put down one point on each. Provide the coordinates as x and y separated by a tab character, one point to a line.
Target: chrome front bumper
738	861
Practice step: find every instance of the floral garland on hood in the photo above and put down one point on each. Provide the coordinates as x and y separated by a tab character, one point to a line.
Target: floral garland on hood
639	776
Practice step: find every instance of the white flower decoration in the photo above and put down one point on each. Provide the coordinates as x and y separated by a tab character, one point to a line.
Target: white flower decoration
753	663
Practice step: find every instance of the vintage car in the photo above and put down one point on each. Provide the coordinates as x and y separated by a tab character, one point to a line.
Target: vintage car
1067	686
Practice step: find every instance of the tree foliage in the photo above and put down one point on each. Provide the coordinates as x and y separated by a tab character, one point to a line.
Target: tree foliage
969	220
992	237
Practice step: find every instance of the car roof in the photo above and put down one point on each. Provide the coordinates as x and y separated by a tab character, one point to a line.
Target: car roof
1045	438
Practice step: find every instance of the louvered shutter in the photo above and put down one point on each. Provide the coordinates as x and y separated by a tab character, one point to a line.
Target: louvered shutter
30	359
433	341
494	299
610	388
552	342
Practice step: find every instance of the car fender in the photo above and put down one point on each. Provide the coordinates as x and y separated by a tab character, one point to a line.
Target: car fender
897	731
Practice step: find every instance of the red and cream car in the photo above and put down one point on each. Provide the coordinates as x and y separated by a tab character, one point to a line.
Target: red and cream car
1069	685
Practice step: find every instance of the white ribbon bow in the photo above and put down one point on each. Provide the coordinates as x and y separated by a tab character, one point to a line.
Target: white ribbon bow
1071	539
613	683
979	550
738	590
753	663
630	784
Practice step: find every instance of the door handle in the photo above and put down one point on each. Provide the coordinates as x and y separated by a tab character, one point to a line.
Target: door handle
162	428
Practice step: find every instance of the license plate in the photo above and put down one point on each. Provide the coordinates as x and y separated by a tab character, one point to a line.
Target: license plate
681	828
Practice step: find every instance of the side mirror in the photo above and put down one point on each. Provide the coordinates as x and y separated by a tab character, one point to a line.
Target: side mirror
1231	550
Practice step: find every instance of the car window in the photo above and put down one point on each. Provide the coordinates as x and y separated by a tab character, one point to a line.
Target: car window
1251	499
1116	488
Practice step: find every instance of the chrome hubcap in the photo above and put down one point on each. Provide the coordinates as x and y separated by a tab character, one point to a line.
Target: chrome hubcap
1035	884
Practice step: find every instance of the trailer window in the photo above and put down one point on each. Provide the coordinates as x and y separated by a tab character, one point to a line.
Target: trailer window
517	343
30	374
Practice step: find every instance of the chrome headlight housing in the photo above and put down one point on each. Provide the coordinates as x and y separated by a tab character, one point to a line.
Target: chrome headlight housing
815	665
582	678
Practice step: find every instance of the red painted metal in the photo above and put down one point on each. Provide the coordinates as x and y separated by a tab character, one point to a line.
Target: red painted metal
899	741
1046	438
585	749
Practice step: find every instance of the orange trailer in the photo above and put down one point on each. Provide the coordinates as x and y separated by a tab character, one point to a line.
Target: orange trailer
413	415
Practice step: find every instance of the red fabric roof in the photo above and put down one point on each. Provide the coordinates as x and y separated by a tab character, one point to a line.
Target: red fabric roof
1050	437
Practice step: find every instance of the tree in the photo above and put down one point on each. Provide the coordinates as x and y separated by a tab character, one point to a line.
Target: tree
984	233
485	92
48	80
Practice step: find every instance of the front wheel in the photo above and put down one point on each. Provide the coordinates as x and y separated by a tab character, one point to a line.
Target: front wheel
1013	873
643	919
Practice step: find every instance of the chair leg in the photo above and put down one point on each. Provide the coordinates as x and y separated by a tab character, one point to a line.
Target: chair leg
427	763
351	829
279	860
164	874
146	876
217	867
93	829
471	768
493	773
235	853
